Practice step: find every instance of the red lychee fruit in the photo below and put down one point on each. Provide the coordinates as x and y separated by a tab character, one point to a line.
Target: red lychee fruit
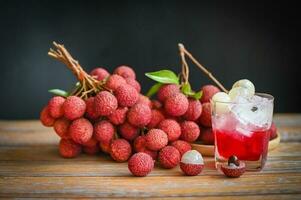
139	115
135	84
74	107
273	131
55	106
99	73
171	128
69	149
128	132
167	90
90	110
91	150
81	130
156	139
205	118
105	103
61	127
176	105
105	146
156	104
169	157
126	95
190	131
182	146
194	110
140	146
234	168
118	116
208	92
45	117
144	100
120	150
114	81
192	163
104	131
207	136
125	72
157	117
90	143
140	164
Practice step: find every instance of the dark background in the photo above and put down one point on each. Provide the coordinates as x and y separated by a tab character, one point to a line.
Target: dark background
234	39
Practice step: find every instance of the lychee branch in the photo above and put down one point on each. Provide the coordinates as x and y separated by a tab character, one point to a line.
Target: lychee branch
208	73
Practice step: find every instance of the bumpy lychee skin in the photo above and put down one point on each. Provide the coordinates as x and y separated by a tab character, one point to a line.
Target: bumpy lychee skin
157	117
105	147
139	115
114	81
156	104
100	73
182	146
125	72
192	163
169	157
190	131
172	128
135	84
176	105
81	130
90	143
118	116
105	103
45	117
207	136
140	164
145	100
120	150
205	118
90	110
128	131
104	131
69	149
74	107
140	146
61	127
208	92
167	90
126	95
234	168
156	139
55	106
194	110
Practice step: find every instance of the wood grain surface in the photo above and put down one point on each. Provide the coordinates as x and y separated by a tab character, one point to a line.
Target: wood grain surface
31	167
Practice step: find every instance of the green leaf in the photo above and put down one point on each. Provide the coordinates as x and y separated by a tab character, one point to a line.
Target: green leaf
186	89
154	89
59	92
163	76
198	95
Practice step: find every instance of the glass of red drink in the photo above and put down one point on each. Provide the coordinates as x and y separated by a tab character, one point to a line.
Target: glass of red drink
241	128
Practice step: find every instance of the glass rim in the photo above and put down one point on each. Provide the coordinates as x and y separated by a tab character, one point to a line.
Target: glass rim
264	95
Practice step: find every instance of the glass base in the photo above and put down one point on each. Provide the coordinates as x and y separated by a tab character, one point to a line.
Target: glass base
250	165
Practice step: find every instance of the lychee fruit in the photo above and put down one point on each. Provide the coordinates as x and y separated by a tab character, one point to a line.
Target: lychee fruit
139	115
190	131
207	136
167	90
104	131
140	164
45	117
192	163
135	84
91	150
128	131
208	92
118	116
68	148
169	157
90	143
126	95
55	106
205	118
125	72
120	150
145	100
157	117
100	73
140	146
105	103
171	128
182	146
194	110
90	110
273	131
234	168
74	107
176	105
156	139
61	127
156	104
105	146
114	81
81	130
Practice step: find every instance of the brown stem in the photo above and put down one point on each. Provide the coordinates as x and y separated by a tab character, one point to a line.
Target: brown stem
185	68
208	73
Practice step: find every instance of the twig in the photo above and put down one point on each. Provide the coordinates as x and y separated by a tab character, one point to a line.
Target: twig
185	68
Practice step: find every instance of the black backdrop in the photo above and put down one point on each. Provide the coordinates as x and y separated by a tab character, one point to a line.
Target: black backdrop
258	41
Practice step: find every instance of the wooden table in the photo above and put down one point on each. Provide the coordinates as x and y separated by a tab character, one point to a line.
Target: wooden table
30	166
